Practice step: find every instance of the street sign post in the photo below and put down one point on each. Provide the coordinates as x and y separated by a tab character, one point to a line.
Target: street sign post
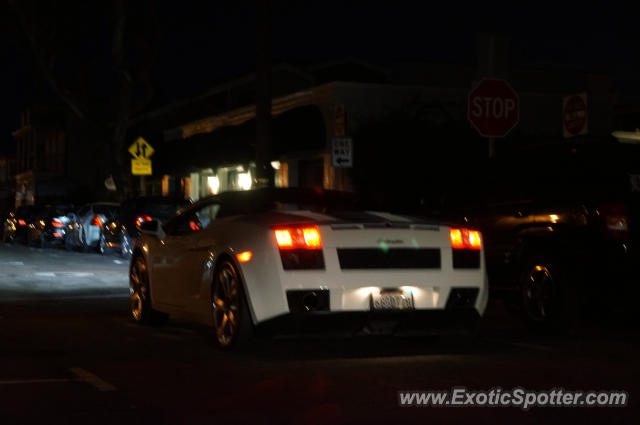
342	152
141	151
141	167
493	109
340	122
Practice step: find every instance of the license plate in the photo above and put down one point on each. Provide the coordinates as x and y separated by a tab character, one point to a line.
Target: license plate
392	301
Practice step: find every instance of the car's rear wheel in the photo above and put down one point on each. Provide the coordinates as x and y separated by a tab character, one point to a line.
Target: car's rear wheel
68	242
125	246
102	244
547	294
7	237
83	241
232	323
140	294
44	242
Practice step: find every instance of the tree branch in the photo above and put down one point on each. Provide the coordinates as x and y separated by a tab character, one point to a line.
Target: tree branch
44	68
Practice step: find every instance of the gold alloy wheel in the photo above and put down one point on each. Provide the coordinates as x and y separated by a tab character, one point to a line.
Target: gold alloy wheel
138	289
225	302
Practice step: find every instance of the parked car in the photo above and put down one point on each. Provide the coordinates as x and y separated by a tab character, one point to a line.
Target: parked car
280	257
49	226
121	233
17	224
560	227
85	226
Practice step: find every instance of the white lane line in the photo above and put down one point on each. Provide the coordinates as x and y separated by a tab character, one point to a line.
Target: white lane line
12	263
34	381
119	262
91	379
75	274
64	274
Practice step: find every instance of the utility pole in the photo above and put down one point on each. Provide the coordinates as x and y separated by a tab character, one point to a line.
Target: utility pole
264	171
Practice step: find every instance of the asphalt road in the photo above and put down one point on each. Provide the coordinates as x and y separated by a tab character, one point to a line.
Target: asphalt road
70	354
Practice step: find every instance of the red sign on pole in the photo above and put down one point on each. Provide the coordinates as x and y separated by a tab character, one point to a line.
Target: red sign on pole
340	123
574	111
493	108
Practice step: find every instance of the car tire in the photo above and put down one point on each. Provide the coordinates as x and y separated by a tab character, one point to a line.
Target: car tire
68	243
44	243
83	242
125	246
102	244
549	299
140	306
231	318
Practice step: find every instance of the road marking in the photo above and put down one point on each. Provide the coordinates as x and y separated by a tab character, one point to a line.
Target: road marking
34	381
521	345
13	263
119	262
64	274
91	379
531	346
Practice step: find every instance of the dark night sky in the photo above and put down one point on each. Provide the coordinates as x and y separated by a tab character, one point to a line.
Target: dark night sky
204	43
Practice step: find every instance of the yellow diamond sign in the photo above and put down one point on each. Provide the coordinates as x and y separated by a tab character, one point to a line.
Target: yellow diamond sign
141	149
141	167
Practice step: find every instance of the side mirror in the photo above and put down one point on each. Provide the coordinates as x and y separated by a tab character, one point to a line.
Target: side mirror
152	227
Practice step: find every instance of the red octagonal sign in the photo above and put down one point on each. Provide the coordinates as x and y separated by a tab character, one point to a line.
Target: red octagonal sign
493	108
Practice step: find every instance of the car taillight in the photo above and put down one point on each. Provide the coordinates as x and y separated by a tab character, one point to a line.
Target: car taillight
465	238
56	223
300	247
142	218
21	222
307	237
96	221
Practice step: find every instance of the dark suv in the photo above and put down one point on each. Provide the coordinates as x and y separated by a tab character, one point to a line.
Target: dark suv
559	225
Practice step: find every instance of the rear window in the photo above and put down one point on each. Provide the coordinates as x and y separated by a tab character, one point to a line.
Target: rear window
252	202
163	209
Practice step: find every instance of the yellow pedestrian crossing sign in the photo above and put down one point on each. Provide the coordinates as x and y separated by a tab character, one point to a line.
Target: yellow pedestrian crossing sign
141	149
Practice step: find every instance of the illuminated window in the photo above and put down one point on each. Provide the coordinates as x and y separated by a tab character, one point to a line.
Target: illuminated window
214	184
244	181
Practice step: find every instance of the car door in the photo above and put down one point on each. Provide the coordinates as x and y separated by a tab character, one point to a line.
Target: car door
179	262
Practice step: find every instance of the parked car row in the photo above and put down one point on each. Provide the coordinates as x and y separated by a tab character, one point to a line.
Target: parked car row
99	226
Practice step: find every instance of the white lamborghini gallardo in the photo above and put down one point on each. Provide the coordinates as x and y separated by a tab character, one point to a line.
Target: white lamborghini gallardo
301	259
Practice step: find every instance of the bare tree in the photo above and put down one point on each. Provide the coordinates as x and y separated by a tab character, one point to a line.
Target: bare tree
53	29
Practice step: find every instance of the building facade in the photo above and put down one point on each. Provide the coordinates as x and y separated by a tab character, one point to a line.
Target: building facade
405	124
40	158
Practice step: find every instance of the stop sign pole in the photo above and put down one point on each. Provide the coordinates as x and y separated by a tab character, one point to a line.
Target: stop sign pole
493	109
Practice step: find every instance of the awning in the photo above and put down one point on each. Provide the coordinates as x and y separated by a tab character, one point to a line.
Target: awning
298	130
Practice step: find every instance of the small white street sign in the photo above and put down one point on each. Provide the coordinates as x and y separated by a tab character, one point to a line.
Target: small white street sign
342	152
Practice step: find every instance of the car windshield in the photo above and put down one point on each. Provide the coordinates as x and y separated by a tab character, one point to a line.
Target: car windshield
107	210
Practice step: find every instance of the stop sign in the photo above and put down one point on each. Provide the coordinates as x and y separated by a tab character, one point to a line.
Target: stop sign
493	108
